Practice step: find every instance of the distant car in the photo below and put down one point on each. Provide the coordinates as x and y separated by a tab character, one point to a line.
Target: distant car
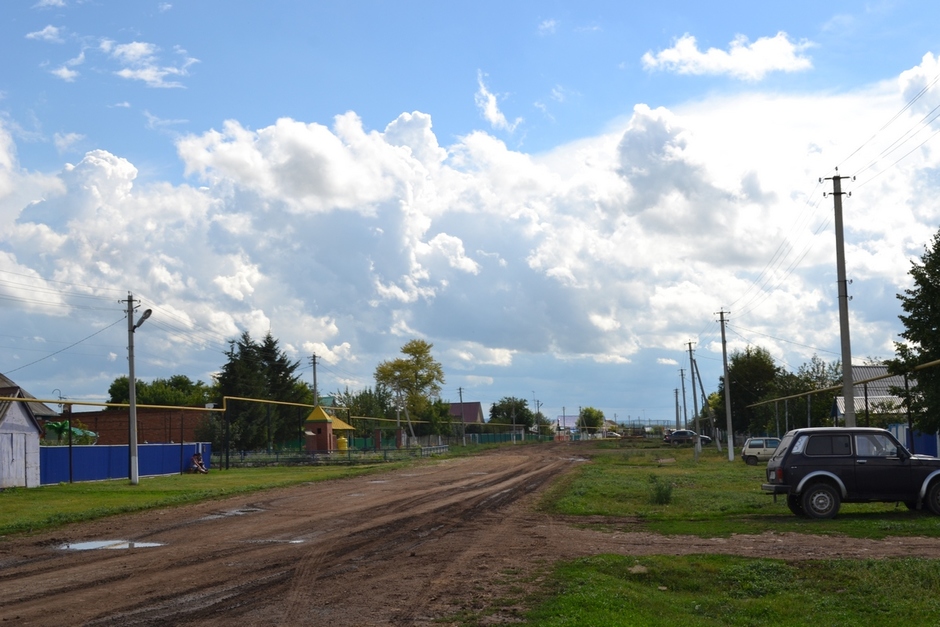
759	450
685	436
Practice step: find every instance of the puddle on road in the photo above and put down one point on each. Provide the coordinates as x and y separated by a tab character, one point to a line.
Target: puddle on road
233	512
379	481
107	544
274	541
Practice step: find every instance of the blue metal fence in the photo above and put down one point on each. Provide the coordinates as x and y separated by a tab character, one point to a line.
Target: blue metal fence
96	462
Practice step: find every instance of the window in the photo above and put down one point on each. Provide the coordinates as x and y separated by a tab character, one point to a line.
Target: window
829	445
875	445
756	444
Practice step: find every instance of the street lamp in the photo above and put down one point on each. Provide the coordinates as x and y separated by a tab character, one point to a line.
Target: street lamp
132	387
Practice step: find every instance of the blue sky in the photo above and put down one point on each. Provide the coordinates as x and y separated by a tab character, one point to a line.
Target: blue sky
559	196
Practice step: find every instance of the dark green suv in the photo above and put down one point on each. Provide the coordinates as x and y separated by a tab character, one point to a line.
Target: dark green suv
818	469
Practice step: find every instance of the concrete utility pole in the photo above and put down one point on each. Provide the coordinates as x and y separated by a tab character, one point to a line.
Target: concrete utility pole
724	358
685	409
316	393
698	444
677	408
463	421
847	383
133	464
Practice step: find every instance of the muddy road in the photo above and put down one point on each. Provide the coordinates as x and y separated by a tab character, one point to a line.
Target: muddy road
407	547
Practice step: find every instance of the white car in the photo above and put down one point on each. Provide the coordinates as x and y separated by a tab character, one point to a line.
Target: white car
758	450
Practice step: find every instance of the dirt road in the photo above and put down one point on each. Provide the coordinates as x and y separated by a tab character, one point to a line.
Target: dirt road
401	548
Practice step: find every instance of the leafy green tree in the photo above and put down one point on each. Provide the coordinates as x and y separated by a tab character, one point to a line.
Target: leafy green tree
816	374
920	339
261	371
435	419
414	379
753	375
373	403
590	420
179	391
511	410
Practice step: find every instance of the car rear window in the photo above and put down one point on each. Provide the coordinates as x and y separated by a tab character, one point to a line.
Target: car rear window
756	444
784	445
829	445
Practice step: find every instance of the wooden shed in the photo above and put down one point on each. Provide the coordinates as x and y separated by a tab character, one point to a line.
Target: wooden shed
19	438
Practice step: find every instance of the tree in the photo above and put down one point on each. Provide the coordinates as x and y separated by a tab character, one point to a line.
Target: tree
752	373
262	371
817	375
414	379
179	391
377	403
590	420
511	410
920	339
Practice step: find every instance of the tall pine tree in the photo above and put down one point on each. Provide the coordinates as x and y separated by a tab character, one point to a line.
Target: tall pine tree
262	371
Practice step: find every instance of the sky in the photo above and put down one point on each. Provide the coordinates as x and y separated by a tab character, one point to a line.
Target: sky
559	196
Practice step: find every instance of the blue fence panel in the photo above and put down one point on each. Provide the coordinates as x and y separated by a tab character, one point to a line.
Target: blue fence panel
96	463
53	464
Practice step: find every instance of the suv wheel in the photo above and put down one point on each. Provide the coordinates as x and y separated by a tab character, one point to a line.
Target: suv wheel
821	500
750	460
933	497
793	502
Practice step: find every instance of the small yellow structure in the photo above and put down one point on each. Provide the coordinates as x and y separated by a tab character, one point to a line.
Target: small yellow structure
320	428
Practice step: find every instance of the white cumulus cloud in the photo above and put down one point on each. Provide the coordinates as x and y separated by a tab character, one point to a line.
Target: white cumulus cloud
744	60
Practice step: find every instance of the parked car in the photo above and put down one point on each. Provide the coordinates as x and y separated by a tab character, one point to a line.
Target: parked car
758	450
818	469
684	436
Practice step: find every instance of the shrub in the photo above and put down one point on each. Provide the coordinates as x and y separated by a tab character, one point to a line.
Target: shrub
660	491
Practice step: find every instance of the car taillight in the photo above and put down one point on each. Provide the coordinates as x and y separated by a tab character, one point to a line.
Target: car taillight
778	474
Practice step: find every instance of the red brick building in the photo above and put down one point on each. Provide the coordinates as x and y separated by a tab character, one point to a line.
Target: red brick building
154	426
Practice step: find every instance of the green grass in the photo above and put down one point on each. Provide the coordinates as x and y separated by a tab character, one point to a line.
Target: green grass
35	509
609	591
711	497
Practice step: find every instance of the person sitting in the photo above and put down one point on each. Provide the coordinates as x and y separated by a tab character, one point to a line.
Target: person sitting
197	465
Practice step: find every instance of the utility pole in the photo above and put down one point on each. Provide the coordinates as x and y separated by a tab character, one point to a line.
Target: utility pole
698	445
724	359
316	393
463	422
847	383
133	464
677	408
538	431
685	409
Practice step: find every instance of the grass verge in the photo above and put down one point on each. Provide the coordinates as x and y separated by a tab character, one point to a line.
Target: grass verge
29	510
710	497
617	591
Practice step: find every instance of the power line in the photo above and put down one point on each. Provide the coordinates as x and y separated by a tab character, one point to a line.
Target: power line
67	347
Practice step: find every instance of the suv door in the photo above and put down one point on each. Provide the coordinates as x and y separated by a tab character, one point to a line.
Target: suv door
830	453
882	470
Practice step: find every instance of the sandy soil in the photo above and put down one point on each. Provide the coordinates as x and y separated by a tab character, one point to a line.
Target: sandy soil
408	547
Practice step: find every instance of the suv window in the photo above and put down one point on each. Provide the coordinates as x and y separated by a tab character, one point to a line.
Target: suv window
784	445
829	445
875	445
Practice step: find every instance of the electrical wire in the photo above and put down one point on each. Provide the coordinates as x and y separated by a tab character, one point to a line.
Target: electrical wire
67	347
